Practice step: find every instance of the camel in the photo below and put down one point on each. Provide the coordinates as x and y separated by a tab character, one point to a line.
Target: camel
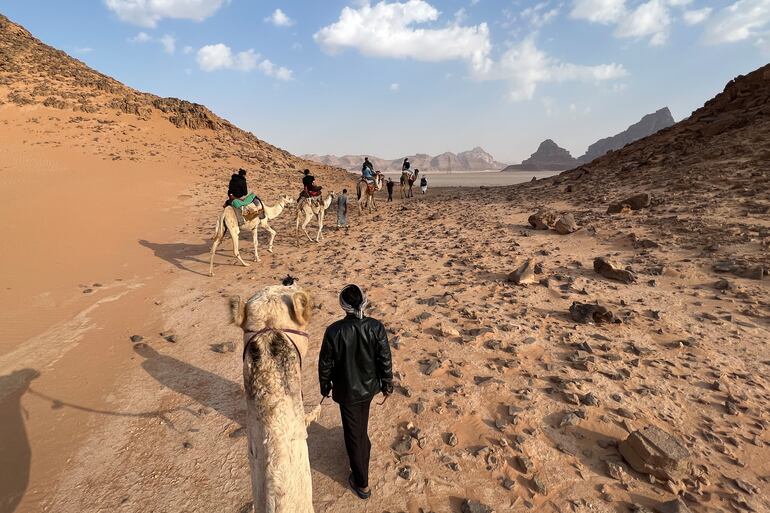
367	193
306	209
407	181
229	219
275	342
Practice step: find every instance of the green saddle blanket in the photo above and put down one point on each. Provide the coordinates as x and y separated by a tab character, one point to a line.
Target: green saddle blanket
238	203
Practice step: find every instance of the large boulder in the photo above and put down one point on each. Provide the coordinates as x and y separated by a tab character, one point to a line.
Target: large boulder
653	451
612	271
635	202
542	220
566	224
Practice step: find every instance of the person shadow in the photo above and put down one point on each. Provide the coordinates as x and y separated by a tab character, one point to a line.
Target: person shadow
202	386
326	447
178	253
15	450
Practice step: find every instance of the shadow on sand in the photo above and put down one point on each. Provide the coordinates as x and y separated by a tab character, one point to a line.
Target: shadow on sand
177	254
204	387
327	452
15	451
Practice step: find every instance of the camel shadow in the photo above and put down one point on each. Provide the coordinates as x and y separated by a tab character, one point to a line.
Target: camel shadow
327	452
177	253
15	451
204	387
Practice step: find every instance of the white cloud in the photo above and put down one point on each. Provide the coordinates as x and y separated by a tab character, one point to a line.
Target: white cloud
696	16
84	49
271	70
221	57
599	11
148	13
525	66
279	19
744	19
388	29
169	43
538	15
648	19
187	50
395	87
141	37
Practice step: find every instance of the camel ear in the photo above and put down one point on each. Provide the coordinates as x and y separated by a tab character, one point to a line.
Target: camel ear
301	307
237	310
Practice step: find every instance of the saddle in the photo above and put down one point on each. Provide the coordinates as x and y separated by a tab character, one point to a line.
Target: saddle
370	185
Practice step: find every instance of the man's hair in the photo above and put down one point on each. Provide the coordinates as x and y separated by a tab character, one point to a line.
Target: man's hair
307	171
351	294
242	172
344	191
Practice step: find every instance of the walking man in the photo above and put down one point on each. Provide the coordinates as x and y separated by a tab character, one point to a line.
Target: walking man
389	185
355	365
342	210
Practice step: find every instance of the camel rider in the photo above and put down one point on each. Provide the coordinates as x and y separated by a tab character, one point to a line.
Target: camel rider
310	188
366	164
238	194
367	173
406	166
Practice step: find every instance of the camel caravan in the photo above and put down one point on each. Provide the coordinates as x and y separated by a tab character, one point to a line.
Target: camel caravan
244	211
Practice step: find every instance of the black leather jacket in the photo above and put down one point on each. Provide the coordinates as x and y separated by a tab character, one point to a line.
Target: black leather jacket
355	361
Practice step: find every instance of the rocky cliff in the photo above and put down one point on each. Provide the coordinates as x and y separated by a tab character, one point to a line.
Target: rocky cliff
548	157
648	125
34	75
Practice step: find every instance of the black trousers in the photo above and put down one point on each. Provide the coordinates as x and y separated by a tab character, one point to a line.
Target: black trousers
355	426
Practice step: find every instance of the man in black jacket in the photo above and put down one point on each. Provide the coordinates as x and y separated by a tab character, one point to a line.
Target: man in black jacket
354	366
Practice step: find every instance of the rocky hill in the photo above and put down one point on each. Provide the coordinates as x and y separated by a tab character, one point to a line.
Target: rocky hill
34	75
473	160
548	157
648	125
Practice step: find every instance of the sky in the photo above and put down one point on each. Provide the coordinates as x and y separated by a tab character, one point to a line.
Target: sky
393	78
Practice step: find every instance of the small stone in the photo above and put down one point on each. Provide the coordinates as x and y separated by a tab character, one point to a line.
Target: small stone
538	485
616	471
589	400
451	440
566	224
525	463
187	445
472	506
136	338
611	271
569	419
509	483
675	506
589	313
87	291
405	473
525	274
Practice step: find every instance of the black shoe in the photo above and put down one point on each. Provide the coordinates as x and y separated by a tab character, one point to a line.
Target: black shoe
358	491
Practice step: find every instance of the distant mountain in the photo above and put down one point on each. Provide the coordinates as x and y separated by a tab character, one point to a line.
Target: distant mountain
473	160
648	125
548	157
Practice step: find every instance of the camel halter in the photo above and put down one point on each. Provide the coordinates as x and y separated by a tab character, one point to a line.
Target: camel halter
249	336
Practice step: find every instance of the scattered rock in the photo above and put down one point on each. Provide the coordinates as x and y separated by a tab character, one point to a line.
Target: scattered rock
566	224
509	483
539	486
542	220
612	272
136	338
447	331
590	313
616	471
525	274
405	473
675	506
653	451
635	202
224	347
471	506
451	439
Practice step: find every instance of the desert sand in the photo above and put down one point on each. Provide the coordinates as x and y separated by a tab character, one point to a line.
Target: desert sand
121	378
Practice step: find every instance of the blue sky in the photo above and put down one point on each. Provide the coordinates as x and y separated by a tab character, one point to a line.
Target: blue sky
398	77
